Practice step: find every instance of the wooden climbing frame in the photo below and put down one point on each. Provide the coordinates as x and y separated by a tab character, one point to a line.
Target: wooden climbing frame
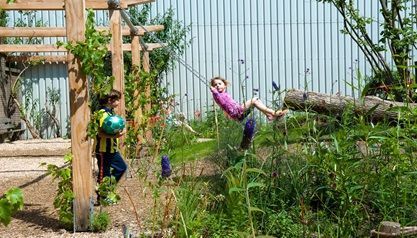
79	110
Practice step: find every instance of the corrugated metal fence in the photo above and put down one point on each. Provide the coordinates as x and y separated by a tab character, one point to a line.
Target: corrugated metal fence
295	43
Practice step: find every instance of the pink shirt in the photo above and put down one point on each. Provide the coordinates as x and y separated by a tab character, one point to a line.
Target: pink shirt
230	106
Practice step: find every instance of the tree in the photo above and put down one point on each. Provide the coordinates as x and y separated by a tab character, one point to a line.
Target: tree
397	37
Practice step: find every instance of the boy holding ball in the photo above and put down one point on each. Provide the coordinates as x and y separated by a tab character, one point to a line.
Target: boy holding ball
109	160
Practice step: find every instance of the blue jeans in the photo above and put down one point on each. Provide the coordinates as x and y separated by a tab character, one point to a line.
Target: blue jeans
108	161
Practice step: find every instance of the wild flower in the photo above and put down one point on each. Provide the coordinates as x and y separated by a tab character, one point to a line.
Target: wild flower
166	166
275	86
248	133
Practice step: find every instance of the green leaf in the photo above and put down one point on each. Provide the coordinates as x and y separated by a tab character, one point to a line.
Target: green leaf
256	170
254	184
15	198
235	189
255	209
5	212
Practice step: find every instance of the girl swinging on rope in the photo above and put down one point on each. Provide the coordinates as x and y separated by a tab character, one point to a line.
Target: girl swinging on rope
235	110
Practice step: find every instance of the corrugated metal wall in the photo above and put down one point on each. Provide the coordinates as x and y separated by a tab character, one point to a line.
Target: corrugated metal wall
295	43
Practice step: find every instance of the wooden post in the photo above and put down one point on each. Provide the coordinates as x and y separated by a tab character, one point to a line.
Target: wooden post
80	116
117	57
148	106
117	65
136	61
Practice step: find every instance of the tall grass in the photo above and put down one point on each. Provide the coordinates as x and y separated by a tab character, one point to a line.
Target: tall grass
310	175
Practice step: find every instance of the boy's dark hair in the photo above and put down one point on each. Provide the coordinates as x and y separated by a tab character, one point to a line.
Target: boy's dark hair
113	94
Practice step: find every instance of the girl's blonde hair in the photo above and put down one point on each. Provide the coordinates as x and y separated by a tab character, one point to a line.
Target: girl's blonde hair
219	78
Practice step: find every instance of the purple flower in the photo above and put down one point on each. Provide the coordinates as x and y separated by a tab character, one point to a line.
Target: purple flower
166	167
274	174
275	86
248	133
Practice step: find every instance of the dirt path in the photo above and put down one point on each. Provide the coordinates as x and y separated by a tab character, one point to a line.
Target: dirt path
39	218
20	167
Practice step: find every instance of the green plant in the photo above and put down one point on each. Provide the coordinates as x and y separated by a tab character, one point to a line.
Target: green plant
64	198
100	222
50	119
191	201
28	19
149	94
282	224
107	191
10	202
174	35
3	18
93	54
241	182
397	33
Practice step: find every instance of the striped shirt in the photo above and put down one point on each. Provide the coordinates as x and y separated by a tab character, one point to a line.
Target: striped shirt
108	145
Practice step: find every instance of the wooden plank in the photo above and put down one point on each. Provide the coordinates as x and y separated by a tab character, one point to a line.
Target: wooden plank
101	4
59	4
116	45
80	116
135	47
153	46
137	2
143	30
31	48
138	116
41	58
62	32
33	32
149	46
32	5
147	68
54	48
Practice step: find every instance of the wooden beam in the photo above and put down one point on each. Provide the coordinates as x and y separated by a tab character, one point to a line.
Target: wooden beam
153	46
116	48
138	116
31	48
146	62
149	46
54	48
137	2
62	32
40	58
80	116
33	32
32	5
143	30
135	48
59	4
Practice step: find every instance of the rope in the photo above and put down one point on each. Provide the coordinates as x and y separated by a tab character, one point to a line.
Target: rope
173	53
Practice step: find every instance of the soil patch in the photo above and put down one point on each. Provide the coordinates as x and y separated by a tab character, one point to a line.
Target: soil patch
40	219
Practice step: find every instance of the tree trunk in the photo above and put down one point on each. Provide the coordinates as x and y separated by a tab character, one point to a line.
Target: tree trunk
375	107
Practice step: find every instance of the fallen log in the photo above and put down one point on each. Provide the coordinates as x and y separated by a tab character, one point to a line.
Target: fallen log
375	107
388	229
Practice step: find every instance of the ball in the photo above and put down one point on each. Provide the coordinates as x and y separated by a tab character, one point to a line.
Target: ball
113	124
